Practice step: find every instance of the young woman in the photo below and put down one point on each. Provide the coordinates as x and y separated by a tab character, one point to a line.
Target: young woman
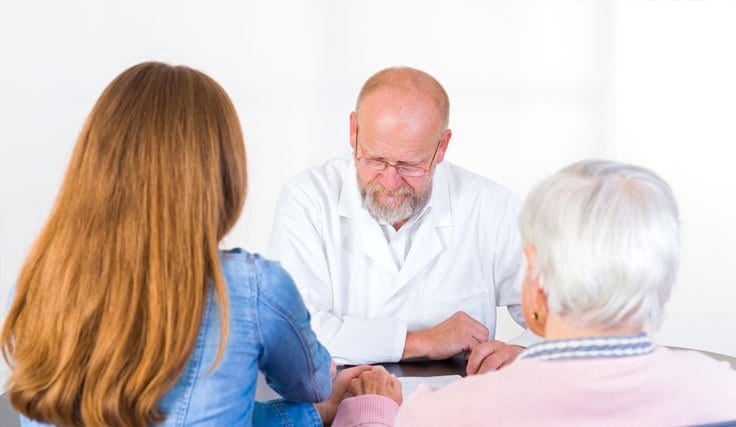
126	313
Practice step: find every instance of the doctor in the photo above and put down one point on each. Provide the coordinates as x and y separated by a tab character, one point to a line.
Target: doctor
397	254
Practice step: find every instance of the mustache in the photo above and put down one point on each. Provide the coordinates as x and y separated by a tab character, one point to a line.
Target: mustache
375	187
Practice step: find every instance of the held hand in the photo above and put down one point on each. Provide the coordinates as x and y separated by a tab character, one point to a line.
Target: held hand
491	356
458	333
340	384
377	381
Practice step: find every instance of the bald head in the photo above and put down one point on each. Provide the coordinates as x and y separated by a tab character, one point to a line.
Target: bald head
407	82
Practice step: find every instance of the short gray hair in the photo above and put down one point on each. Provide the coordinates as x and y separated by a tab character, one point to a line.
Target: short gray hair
607	242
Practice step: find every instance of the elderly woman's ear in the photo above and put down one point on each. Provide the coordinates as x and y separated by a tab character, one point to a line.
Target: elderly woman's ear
533	299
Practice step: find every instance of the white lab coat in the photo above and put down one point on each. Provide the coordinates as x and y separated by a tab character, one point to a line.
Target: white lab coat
464	256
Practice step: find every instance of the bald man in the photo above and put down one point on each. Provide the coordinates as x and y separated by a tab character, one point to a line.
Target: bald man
397	253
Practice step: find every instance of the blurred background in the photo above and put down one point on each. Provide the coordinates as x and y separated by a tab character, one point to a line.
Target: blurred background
534	85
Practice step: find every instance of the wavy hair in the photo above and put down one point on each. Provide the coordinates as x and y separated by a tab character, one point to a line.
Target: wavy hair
607	240
110	299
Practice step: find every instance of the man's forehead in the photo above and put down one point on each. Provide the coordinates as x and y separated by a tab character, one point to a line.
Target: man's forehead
398	102
399	116
394	147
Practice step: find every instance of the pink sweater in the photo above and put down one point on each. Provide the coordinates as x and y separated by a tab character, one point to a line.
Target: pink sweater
665	387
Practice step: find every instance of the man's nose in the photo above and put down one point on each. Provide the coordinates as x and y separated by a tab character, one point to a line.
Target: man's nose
390	178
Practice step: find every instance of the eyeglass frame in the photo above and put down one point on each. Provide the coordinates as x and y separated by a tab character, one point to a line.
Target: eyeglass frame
362	160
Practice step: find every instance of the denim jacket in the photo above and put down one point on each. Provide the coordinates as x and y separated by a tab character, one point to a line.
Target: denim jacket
269	330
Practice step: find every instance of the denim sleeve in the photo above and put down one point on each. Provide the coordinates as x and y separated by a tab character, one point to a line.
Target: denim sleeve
294	363
284	413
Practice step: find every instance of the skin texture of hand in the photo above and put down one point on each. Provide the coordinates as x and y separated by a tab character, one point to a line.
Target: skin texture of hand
491	356
376	381
458	333
340	385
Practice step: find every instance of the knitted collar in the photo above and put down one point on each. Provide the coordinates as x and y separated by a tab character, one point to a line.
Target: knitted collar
586	348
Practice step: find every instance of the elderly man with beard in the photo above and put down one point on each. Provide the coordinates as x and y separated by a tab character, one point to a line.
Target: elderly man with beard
397	253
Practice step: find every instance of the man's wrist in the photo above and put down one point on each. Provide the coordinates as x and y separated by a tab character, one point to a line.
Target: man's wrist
413	346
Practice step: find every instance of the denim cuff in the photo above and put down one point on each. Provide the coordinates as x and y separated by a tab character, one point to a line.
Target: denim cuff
282	412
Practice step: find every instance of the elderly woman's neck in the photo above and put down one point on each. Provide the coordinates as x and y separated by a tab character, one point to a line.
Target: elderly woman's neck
559	328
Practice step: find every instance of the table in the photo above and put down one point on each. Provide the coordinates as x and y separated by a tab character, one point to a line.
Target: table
416	368
427	368
456	365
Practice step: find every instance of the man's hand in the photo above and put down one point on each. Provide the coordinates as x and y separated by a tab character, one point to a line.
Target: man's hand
458	333
376	381
491	356
340	384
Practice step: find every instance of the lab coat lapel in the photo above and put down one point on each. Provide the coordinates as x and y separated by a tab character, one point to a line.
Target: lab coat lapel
428	242
366	234
370	239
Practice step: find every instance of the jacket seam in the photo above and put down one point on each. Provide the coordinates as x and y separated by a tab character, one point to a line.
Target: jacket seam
280	311
192	375
285	419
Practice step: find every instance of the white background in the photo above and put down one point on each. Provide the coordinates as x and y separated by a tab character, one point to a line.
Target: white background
533	87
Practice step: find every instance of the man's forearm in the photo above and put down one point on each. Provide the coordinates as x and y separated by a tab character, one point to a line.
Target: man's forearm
354	340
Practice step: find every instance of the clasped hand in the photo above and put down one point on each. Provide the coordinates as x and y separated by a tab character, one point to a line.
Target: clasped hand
358	381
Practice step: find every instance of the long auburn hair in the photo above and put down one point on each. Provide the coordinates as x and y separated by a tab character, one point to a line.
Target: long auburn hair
109	301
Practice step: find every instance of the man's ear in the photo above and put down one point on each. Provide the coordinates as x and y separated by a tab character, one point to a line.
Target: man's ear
353	130
444	142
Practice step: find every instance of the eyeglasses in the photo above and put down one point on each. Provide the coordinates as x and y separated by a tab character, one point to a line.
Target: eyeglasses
403	170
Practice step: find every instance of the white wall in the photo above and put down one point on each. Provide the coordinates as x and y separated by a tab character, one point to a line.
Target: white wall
674	109
533	86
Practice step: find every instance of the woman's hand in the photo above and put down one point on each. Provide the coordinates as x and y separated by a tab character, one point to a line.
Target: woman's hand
491	356
340	385
378	381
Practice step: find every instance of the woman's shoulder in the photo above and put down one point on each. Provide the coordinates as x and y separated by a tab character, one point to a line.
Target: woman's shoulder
695	361
265	277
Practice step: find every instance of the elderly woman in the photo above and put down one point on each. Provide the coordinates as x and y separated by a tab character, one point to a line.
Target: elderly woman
602	246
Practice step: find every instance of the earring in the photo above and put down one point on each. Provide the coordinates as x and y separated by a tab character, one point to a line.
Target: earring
536	316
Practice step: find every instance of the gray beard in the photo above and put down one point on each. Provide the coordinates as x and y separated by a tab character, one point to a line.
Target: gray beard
408	207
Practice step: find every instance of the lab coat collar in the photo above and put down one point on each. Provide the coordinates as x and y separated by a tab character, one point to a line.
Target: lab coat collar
349	204
440	200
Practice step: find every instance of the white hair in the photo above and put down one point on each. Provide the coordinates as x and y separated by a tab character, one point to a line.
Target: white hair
607	243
